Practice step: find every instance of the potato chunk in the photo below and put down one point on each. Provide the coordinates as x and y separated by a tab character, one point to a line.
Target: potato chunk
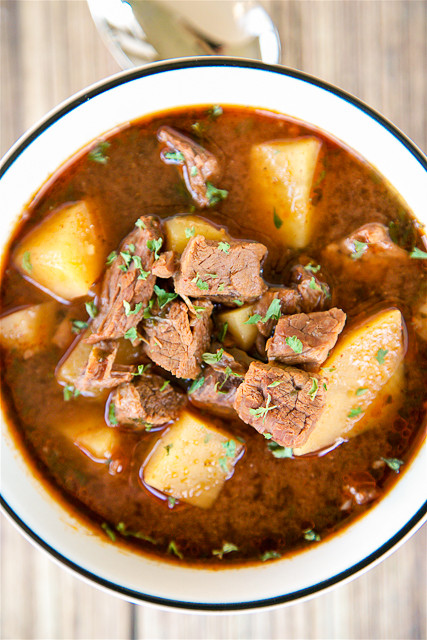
74	363
89	432
363	362
180	229
243	334
65	253
29	330
192	460
281	176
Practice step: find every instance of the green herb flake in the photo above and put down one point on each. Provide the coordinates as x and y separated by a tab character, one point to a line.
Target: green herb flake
128	309
274	311
354	412
253	319
98	153
359	249
227	547
313	285
91	309
112	414
277	220
174	156
328	369
262	411
190	231
311	536
361	390
113	255
142	368
221	287
140	224
223	332
200	284
164	385
238	303
224	246
229	372
212	358
230	448
314	389
193	171
418	253
168	447
78	325
380	355
269	555
320	178
155	246
223	464
196	384
108	531
199	129
198	310
163	297
131	334
393	463
215	112
121	528
215	195
171	502
147	311
278	451
274	384
26	262
294	343
267	436
173	549
70	392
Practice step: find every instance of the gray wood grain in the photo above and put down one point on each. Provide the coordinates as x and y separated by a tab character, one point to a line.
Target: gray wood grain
374	49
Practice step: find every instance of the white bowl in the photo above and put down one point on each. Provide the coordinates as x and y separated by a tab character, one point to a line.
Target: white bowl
35	157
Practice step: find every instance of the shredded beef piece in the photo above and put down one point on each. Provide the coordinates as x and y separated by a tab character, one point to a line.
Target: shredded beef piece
318	333
166	266
223	276
176	339
101	372
198	166
122	283
147	401
221	381
287	411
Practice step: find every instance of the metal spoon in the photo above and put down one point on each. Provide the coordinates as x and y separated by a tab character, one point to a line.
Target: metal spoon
141	31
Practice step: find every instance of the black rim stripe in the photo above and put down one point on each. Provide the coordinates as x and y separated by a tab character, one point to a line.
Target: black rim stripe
72	104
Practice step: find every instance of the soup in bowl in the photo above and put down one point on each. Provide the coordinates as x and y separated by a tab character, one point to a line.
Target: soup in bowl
214	334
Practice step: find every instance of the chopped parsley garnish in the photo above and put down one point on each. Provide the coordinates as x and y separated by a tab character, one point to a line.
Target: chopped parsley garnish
198	310
313	268
267	436
215	195
277	219
78	325
128	309
172	548
311	536
359	249
215	111
229	372
70	392
127	259
237	302
223	332
269	555
314	389
328	369
223	464
91	308
143	275
26	262
199	129
112	414
168	447
131	334
163	297
230	448
147	311
221	287
224	246
193	171
353	413
380	355
274	384
109	531
313	285
140	224
212	358
393	463
294	343
274	311
171	502
174	156
142	368
227	547
200	283
98	153
418	253
121	528
262	411
164	385
217	388
111	258
253	319
320	179
278	451
190	231
155	246
361	390
196	384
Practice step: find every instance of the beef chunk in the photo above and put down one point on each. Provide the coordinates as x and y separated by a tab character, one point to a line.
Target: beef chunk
377	240
101	372
221	273
316	332
289	303
151	400
128	281
166	266
176	339
314	294
287	411
198	166
221	381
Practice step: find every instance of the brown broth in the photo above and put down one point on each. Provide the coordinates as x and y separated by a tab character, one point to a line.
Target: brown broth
268	503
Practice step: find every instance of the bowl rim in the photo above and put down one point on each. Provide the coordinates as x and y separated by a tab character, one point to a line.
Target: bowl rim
19	147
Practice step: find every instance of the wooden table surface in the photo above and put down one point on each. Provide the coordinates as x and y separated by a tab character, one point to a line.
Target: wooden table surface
377	50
